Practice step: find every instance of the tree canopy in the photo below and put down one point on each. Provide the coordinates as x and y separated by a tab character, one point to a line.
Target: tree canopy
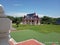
44	19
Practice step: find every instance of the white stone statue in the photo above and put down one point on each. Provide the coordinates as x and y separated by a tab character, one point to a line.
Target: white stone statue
2	11
5	27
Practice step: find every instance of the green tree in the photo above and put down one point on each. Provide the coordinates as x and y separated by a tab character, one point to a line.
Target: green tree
46	20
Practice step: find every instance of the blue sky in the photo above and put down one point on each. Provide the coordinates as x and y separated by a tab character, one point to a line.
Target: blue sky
41	7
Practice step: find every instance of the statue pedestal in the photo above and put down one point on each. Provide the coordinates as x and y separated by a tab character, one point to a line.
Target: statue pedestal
4	40
5	27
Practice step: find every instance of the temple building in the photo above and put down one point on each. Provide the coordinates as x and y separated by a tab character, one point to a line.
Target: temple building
31	19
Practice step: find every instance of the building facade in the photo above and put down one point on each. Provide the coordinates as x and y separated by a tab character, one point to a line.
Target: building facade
57	22
31	19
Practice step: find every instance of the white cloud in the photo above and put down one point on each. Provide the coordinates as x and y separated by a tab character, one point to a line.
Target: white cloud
21	14
41	15
17	14
17	4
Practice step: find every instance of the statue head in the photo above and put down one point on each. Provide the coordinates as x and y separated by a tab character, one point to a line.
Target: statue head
1	11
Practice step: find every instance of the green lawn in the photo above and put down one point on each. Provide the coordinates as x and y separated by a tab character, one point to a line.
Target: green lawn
43	33
40	28
30	34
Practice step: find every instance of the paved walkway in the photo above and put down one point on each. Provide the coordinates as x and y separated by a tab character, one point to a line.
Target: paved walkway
27	42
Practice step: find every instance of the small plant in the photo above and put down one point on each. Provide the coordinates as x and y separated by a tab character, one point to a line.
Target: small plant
17	23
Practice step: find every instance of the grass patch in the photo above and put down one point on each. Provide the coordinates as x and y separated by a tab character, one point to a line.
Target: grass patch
40	28
43	33
30	34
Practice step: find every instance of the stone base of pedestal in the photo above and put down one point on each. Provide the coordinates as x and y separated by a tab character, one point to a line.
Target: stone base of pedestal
4	40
